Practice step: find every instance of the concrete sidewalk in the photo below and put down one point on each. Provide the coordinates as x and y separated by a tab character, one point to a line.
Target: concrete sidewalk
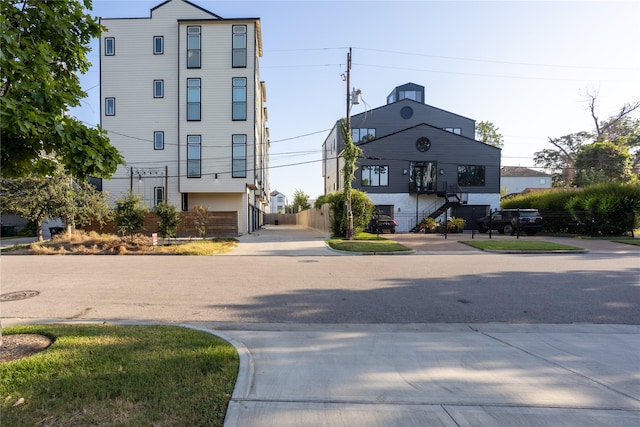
435	375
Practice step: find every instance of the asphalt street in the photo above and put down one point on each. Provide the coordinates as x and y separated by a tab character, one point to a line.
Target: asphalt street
443	336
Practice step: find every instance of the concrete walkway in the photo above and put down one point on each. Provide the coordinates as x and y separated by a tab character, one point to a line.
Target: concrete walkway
436	375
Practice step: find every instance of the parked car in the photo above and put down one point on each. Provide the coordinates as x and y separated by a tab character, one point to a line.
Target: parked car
508	221
381	223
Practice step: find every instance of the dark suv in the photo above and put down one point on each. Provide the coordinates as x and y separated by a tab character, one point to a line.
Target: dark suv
380	223
508	221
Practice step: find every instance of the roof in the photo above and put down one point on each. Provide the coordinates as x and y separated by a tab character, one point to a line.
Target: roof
520	172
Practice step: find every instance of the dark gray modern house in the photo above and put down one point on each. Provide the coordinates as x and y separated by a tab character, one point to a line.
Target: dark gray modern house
417	161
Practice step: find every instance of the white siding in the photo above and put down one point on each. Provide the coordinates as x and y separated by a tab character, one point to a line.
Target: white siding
128	77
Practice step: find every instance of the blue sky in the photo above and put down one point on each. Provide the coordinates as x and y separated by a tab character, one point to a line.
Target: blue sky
525	66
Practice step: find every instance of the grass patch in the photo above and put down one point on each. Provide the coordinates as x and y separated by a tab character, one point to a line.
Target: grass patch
92	243
635	242
119	375
367	243
520	245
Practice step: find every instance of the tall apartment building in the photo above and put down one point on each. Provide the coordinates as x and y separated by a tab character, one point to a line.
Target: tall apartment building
182	100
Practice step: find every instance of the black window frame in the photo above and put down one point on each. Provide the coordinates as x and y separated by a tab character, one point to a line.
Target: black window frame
235	104
239	54
113	46
155	140
106	106
370	171
238	164
157	200
190	160
464	176
191	53
193	103
161	51
155	93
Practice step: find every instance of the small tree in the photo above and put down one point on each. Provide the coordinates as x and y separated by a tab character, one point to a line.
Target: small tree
201	220
488	133
169	219
129	214
300	201
39	198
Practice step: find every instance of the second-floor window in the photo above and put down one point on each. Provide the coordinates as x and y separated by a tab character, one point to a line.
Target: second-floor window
158	140
109	106
239	156
193	99
109	46
239	46
158	88
363	134
457	131
471	175
239	98
375	176
193	47
194	156
158	45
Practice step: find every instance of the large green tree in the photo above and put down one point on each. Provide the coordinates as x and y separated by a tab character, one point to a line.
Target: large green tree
43	50
602	162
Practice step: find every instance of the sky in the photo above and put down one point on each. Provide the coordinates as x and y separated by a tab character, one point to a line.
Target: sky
525	66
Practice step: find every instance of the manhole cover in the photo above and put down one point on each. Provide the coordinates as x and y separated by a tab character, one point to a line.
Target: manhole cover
18	295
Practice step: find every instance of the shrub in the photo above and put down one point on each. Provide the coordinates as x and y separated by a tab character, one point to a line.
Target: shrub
169	219
361	206
129	215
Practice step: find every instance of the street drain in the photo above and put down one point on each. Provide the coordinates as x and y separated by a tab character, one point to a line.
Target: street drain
18	295
464	301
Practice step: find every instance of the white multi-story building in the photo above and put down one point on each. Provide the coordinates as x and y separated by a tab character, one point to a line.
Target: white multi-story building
182	100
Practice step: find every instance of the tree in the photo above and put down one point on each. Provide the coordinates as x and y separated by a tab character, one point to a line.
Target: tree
620	129
40	198
601	162
488	133
350	154
300	201
201	220
130	214
169	219
44	50
561	159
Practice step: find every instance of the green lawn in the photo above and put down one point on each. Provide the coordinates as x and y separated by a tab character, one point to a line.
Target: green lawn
520	245
635	242
367	243
119	375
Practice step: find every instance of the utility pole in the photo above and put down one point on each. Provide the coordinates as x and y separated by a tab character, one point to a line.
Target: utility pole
348	161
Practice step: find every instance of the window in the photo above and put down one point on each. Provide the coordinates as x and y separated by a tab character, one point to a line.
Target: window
158	140
470	175
158	88
109	46
375	176
239	46
193	47
193	99
158	193
239	155
239	98
363	134
109	106
422	176
457	131
415	95
158	45
193	156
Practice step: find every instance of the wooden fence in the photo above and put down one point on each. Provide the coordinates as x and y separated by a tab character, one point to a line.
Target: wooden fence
312	218
218	224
